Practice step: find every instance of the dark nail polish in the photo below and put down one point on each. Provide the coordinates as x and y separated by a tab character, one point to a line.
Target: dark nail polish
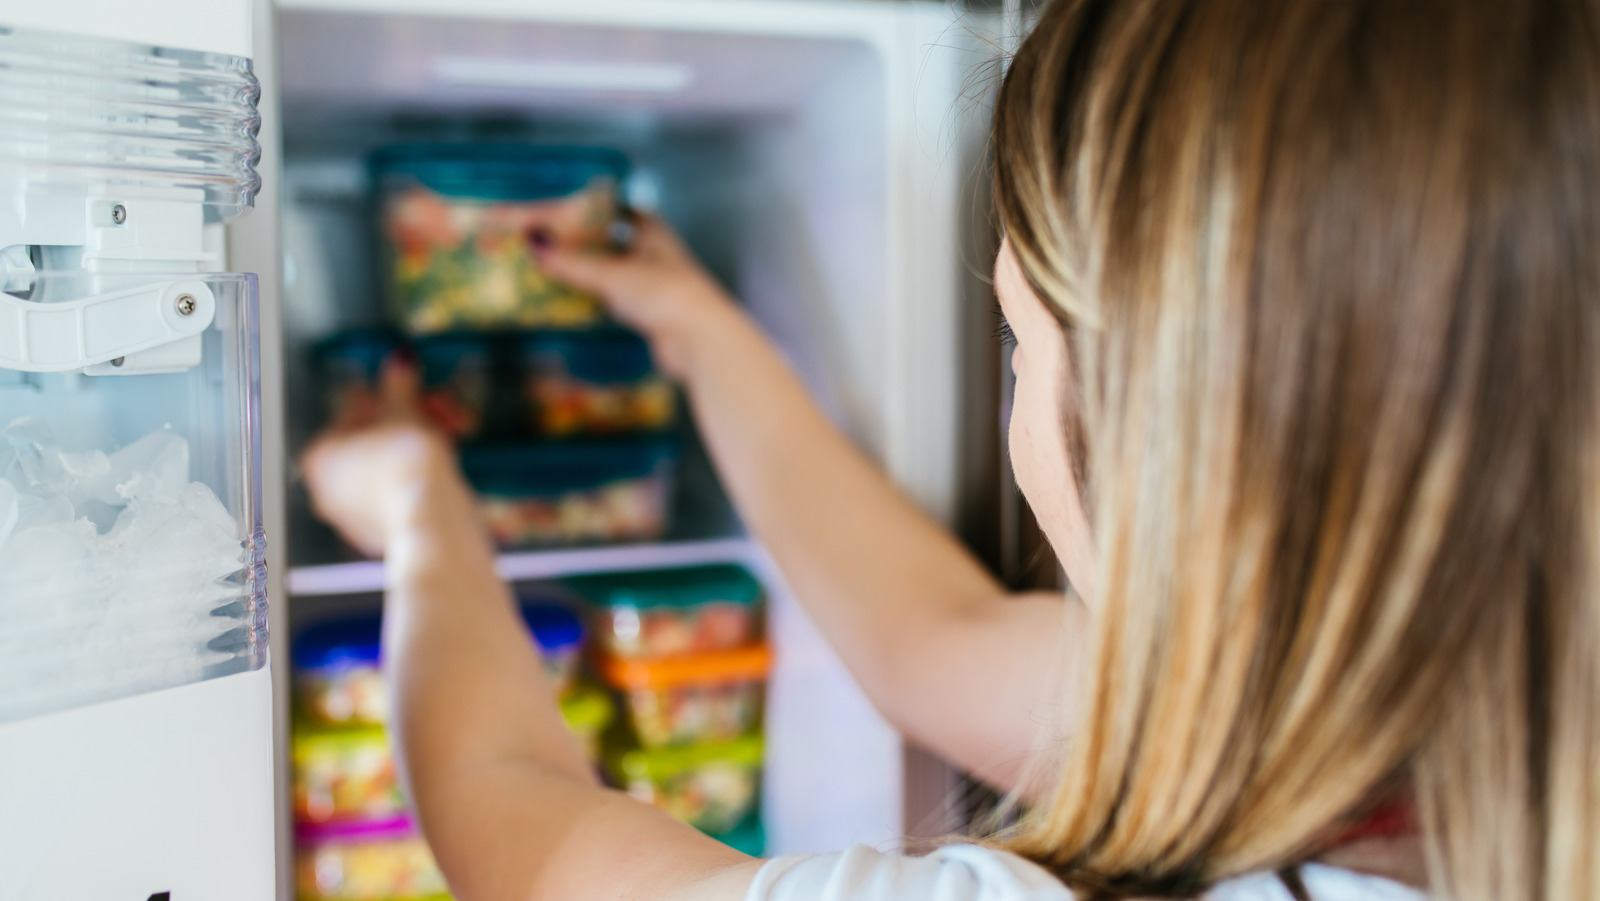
405	355
540	238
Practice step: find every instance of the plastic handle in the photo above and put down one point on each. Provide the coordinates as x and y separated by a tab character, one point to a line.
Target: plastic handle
61	337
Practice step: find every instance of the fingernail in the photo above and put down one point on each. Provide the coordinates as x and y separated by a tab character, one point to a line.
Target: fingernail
540	239
621	233
405	355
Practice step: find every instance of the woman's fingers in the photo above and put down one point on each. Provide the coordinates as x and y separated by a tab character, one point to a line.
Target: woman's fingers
400	387
586	270
357	406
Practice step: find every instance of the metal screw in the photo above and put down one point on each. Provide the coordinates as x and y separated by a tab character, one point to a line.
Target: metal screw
185	304
119	214
119	361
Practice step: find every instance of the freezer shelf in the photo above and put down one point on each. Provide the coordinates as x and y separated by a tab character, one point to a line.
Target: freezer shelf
367	575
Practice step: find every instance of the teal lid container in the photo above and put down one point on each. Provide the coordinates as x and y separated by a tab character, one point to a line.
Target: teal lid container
666	613
535	469
601	356
500	172
722	583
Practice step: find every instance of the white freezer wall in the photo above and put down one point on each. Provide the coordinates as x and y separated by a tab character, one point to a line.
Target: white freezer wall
853	116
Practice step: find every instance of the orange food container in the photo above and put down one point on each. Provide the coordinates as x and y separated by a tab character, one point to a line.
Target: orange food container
688	700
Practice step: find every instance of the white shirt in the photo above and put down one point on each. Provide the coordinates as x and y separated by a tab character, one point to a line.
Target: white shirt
973	873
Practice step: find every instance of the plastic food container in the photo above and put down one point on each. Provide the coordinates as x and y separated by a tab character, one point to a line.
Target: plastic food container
559	634
711	787
458	225
349	362
456	381
339	674
664	613
588	711
679	701
597	382
574	492
386	860
749	837
344	775
338	679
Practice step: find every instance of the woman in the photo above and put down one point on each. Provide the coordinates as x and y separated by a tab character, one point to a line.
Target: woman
1304	296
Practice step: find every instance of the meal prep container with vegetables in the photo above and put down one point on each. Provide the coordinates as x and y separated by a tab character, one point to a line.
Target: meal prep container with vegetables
711	787
592	383
384	860
672	612
459	224
554	493
680	701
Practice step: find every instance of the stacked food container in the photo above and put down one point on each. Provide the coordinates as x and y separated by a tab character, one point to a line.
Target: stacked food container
568	434
355	837
566	426
683	651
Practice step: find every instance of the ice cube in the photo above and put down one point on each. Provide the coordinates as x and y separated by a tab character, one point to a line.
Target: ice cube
47	575
156	465
36	512
89	614
46	466
8	511
199	500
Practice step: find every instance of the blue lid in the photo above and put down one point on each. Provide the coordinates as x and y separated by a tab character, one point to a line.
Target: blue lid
359	350
441	355
544	468
599	355
341	643
505	172
355	641
554	627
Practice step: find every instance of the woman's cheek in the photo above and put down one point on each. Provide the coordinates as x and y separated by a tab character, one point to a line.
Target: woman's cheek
1024	437
1039	460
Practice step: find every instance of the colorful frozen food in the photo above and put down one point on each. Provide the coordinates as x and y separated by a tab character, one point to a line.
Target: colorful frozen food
540	494
711	787
596	382
459	224
677	701
344	775
666	613
385	860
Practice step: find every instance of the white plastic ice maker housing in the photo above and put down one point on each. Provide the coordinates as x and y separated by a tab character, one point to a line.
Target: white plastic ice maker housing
135	698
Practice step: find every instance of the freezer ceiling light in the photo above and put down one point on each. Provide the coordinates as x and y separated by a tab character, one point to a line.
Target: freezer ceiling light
562	76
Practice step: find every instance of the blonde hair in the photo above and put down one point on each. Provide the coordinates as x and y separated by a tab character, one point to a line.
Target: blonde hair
1331	272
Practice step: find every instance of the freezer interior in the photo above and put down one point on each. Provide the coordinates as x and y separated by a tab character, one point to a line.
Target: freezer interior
769	153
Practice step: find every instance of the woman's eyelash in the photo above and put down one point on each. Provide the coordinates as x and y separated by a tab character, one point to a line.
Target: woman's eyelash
1003	333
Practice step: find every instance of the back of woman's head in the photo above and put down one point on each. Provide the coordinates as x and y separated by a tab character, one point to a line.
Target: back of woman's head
1331	271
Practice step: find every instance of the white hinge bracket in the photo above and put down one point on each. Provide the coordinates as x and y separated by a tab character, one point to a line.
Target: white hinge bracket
154	328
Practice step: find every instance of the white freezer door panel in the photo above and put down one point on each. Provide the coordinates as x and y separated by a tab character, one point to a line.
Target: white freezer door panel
169	791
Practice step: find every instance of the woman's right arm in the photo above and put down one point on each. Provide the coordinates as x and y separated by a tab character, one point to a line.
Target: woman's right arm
945	653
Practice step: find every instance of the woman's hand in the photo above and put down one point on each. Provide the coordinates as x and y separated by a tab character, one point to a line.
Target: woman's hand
657	288
370	470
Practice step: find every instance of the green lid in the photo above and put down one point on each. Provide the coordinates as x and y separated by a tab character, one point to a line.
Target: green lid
670	587
310	738
587	710
661	764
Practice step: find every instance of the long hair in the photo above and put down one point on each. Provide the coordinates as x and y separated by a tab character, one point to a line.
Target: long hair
1332	276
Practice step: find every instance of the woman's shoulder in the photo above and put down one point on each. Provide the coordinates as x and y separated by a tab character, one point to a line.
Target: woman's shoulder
966	872
961	872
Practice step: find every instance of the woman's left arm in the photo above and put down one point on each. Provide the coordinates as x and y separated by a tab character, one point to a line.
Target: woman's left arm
502	792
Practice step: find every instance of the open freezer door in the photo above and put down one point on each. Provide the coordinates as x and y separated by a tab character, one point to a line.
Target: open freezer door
135	694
